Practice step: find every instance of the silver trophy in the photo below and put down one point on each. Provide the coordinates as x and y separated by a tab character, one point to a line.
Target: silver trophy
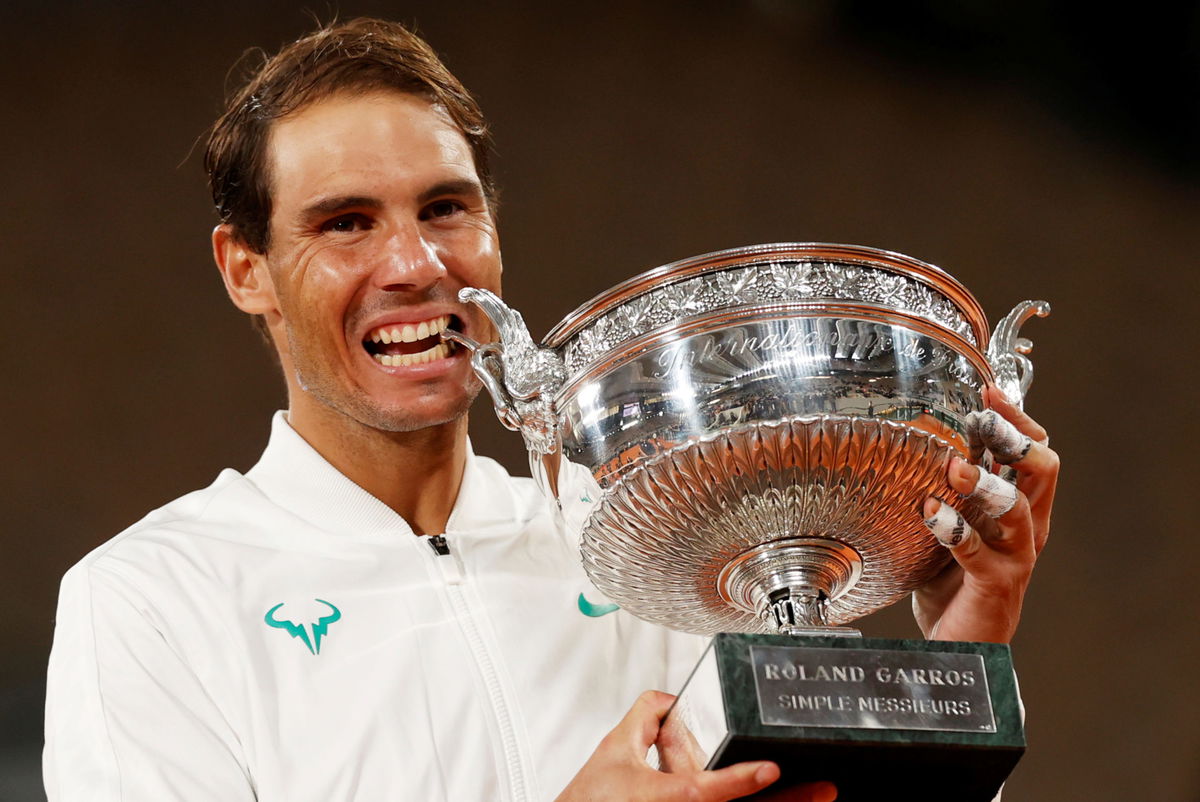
742	441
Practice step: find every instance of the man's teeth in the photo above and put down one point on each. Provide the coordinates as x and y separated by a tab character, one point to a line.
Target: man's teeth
409	332
439	351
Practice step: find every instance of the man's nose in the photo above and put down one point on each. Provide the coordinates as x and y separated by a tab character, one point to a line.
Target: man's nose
409	262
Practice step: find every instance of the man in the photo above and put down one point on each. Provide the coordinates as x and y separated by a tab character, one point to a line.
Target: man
372	611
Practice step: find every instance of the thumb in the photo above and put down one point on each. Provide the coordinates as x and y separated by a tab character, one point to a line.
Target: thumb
736	781
639	728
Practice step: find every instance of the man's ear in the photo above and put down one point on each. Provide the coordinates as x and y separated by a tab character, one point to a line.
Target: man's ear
245	274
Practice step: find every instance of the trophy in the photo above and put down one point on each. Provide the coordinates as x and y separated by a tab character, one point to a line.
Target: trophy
742	442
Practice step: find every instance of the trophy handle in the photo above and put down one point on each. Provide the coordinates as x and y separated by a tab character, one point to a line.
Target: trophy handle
521	377
1007	353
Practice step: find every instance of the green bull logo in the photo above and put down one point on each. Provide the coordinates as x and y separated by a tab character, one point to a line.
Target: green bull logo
311	633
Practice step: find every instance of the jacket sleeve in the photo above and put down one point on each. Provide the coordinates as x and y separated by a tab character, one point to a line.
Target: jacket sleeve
126	717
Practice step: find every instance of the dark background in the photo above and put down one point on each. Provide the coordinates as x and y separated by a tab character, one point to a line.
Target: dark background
1031	149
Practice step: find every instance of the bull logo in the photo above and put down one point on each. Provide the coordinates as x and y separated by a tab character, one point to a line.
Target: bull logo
309	633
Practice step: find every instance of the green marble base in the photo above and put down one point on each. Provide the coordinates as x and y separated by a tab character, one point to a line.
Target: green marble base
882	719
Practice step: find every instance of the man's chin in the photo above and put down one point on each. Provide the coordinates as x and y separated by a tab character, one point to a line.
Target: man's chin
385	408
423	414
404	423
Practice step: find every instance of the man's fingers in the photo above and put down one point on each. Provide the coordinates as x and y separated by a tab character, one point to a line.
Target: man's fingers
819	792
995	496
1035	462
1007	443
1007	526
951	528
733	782
678	750
617	769
1039	459
639	729
1017	416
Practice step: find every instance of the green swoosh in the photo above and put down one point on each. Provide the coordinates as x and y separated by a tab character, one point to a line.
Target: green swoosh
595	610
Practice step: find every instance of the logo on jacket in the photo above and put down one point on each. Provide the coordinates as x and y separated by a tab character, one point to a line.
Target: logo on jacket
595	610
309	633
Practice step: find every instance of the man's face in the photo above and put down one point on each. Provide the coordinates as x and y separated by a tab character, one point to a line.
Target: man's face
378	219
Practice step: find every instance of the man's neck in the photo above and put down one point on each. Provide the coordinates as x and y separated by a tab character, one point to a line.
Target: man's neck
417	474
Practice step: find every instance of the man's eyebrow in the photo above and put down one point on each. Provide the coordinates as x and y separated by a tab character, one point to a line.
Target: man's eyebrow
462	187
328	206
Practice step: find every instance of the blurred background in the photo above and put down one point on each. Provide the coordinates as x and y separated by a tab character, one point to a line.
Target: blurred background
1033	149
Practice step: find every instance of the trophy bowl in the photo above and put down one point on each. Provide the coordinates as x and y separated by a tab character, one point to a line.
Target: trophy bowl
742	441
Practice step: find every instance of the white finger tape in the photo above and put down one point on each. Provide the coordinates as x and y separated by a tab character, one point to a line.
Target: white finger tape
988	429
949	527
995	495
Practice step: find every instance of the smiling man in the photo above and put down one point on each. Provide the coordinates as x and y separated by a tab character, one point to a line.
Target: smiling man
378	218
372	611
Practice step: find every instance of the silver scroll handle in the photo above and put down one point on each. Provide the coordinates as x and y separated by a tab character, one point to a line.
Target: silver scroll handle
1008	354
521	377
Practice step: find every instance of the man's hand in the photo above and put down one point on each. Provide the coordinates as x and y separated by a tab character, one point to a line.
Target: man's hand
617	770
978	598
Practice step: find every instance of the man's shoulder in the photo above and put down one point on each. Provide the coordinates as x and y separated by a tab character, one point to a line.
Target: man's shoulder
170	529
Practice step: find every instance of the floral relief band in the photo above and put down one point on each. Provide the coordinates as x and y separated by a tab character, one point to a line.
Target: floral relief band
757	284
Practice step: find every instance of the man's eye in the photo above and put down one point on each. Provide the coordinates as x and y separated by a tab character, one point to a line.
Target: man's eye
442	208
346	224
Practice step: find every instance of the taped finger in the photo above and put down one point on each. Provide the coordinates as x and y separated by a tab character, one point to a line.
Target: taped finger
975	447
994	495
950	528
988	429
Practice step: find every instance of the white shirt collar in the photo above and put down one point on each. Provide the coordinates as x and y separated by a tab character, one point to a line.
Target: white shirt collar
293	475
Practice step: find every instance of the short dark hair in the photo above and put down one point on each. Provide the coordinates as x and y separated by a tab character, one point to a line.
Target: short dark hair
362	55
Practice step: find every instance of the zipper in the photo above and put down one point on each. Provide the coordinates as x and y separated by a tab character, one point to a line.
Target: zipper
452	572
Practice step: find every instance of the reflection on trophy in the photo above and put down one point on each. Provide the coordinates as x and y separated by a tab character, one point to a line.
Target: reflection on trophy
742	442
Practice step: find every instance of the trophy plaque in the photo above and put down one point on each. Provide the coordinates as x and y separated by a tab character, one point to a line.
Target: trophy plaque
742	442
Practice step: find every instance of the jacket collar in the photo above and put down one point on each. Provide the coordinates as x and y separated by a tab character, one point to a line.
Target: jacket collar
293	475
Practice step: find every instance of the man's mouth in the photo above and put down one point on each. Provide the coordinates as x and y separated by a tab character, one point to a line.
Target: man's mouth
402	344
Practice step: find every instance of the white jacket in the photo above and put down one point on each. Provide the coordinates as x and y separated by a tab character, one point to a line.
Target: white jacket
283	635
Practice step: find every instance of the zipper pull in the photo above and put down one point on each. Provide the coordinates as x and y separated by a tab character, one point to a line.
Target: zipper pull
451	572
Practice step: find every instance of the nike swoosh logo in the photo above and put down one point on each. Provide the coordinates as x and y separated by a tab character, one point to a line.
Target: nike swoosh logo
595	610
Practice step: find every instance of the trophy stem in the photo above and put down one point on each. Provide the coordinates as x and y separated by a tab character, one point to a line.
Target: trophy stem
789	583
802	614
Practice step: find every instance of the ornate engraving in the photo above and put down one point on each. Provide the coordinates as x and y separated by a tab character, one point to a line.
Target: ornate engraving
766	283
521	377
